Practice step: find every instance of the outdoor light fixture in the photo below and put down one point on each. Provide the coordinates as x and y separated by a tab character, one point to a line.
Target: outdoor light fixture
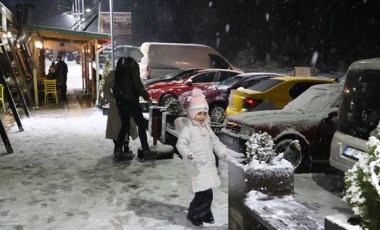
7	35
38	44
88	10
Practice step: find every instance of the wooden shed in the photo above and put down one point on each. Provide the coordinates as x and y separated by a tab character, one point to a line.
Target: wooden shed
41	38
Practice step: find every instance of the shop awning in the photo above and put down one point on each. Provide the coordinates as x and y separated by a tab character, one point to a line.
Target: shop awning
64	35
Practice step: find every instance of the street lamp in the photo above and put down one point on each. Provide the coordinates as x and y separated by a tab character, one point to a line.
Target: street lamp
111	31
38	44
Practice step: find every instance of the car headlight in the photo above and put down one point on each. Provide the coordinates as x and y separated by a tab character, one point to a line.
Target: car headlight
247	130
153	90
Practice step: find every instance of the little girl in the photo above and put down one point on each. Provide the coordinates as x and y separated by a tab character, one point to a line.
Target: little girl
197	144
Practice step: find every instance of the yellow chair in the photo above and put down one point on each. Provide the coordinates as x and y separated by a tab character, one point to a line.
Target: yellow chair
51	88
2	97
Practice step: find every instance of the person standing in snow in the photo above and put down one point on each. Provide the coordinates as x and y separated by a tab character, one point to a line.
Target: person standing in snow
114	122
197	144
127	90
61	70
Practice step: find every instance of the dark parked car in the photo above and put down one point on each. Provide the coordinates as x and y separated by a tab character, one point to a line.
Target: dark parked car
311	119
217	95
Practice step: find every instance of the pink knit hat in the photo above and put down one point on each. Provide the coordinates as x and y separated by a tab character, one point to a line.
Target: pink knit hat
198	103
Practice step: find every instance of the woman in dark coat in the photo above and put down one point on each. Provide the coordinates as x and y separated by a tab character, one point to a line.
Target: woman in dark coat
113	119
127	90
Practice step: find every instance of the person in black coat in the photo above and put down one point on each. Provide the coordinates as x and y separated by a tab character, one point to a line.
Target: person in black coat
51	74
127	90
61	71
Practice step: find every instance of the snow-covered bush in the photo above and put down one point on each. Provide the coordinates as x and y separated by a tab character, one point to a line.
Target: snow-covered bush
260	150
175	107
363	185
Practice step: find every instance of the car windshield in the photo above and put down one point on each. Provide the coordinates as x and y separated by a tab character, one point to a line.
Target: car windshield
316	99
229	81
265	85
172	75
185	74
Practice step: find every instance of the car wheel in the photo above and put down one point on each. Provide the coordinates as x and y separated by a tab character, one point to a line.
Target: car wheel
217	113
294	155
167	99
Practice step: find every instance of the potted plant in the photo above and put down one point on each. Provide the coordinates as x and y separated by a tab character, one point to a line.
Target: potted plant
363	185
173	111
103	103
263	170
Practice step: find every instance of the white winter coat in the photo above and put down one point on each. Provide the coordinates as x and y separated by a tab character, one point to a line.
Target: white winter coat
201	144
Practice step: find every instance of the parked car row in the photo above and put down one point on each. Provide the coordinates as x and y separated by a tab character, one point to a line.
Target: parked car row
309	118
217	96
292	109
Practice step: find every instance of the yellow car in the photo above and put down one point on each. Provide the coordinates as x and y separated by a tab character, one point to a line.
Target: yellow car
271	94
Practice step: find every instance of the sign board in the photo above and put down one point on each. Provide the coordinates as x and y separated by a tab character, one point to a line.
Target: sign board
121	23
302	71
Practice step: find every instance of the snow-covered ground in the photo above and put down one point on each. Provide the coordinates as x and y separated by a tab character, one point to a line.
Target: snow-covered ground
62	176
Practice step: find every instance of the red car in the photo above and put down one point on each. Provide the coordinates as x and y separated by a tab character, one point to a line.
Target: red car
310	120
217	95
166	92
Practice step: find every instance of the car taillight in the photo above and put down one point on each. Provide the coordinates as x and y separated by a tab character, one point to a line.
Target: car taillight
250	103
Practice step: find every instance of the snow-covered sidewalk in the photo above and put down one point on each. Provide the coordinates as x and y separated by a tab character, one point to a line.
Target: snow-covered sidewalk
62	176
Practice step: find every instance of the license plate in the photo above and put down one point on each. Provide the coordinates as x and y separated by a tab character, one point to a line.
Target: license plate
352	153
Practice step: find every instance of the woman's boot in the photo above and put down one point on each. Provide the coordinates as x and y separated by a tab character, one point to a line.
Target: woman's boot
117	152
127	154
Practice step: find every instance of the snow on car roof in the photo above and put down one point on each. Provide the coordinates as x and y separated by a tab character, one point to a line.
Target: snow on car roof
316	99
315	102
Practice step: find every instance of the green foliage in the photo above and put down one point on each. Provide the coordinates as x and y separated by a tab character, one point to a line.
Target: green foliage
363	186
175	108
260	148
106	70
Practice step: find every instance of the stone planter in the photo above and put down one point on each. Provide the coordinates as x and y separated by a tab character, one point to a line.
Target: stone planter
168	118
270	180
274	180
339	222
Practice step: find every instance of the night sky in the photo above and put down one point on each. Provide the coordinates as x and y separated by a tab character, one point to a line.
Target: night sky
248	32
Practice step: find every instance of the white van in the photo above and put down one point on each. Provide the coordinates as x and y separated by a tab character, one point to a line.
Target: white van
128	51
161	59
358	114
120	51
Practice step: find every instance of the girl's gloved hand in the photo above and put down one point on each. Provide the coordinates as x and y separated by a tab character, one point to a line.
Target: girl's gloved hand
196	159
227	157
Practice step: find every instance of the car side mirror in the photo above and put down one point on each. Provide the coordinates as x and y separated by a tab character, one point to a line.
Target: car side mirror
189	83
333	113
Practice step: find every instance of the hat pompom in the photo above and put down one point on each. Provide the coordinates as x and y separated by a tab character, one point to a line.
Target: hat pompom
196	92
